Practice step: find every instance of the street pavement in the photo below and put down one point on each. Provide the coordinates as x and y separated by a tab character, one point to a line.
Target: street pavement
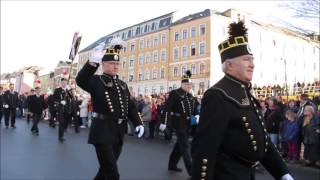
28	157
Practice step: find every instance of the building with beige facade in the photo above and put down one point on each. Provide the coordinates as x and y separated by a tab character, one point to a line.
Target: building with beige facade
159	51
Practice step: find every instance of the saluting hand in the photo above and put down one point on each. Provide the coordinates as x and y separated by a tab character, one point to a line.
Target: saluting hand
97	53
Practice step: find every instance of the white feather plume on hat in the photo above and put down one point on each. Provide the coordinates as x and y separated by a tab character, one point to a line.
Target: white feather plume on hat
117	43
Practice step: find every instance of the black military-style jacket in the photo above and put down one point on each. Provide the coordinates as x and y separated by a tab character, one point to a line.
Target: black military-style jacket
110	97
179	108
36	104
12	100
231	132
59	95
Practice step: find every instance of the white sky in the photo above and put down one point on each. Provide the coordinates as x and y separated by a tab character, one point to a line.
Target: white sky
40	33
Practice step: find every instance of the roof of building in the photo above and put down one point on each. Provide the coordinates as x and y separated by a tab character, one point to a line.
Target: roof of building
109	36
192	17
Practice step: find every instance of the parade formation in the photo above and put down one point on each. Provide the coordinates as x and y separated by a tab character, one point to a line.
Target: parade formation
224	133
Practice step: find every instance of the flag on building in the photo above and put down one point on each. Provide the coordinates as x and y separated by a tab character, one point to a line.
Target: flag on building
75	46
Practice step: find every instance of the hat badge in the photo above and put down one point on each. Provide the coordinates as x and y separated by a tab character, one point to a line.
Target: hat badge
249	49
116	57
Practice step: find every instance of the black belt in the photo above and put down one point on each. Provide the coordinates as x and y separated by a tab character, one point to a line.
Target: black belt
103	116
178	115
241	160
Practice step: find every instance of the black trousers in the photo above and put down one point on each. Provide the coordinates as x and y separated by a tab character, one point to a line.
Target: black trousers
36	118
181	149
0	116
53	114
10	112
108	155
63	119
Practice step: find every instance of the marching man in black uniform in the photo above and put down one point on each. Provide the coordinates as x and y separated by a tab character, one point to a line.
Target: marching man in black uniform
36	106
177	113
10	104
62	100
231	137
112	106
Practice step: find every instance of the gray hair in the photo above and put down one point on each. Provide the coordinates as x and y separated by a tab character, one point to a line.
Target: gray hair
224	65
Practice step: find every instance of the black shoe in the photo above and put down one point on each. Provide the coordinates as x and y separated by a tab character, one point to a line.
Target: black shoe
176	169
13	126
7	127
62	139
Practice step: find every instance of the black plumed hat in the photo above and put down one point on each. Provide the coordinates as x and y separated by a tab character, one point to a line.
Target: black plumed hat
113	50
186	77
237	43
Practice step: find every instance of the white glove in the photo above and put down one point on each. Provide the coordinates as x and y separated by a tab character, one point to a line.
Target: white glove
17	109
162	127
63	102
97	53
6	106
287	177
197	118
140	130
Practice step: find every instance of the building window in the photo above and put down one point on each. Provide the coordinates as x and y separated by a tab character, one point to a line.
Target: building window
147	58
147	75
162	73
175	72
202	68
193	69
184	52
123	35
129	33
155	56
176	53
140	76
137	31
183	69
153	91
155	74
202	29
131	76
132	47
148	43
155	41
124	49
185	34
163	55
176	36
140	59
161	89
163	39
202	48
193	50
131	63
193	31
141	43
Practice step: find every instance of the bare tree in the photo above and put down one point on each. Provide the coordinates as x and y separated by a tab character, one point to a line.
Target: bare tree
307	10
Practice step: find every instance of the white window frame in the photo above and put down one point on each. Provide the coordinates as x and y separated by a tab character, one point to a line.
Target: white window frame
186	55
205	29
195	34
164	36
165	55
183	31
148	55
204	69
141	44
155	53
173	72
139	59
202	42
174	58
155	43
195	69
176	33
131	58
154	72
